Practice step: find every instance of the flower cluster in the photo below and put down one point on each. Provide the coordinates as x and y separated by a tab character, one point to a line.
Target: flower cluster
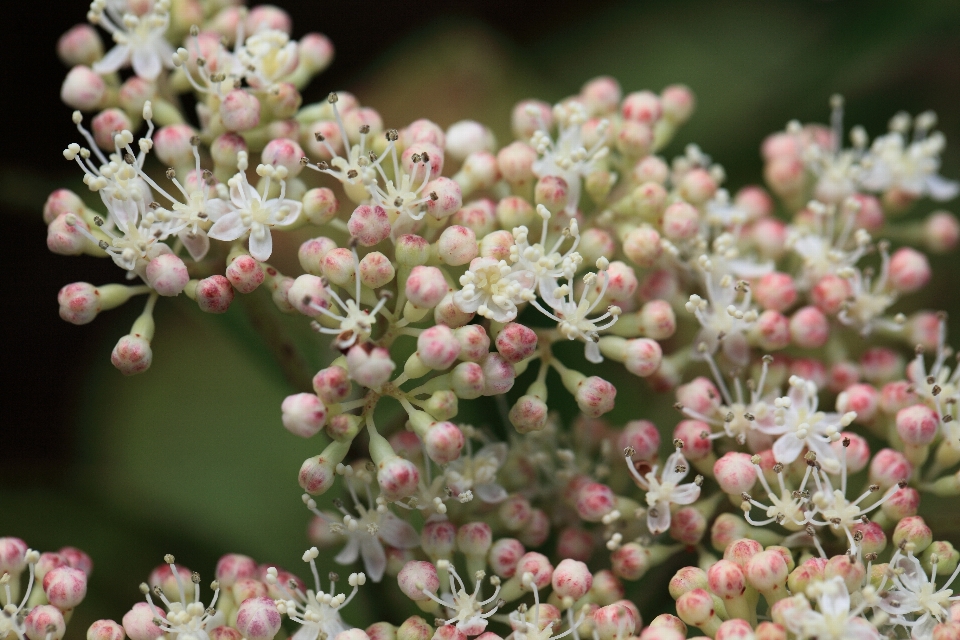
775	315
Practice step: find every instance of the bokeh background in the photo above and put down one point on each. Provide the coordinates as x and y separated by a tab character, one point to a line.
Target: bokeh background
190	458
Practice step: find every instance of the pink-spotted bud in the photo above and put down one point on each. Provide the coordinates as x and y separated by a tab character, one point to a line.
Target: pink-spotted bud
234	566
438	347
214	294
642	246
316	52
615	621
681	221
317	474
376	270
686	580
369	366
320	205
61	201
726	579
106	124
595	396
694	435
416	577
457	245
303	414
809	328
856	450
172	144
642	356
941	232
132	354
594	501
888	467
634	139
398	478
904	503
552	192
528	116
529	413
630	561
504	555
240	111
536	532
445	198
83	89
642	106
830	293
369	224
308	295
283	152
515	512
438	539
65	587
740	551
658	320
909	270
516	163
423	130
77	559
863	399
735	629
735	473
687	526
516	342
258	619
414	628
498	374
917	425
138	623
422	160
767	572
43	622
475	538
474	342
444	441
332	384
467	380
571	579
105	630
425	287
339	266
167	274
225	149
80	302
642	436
913	531
776	291
245	274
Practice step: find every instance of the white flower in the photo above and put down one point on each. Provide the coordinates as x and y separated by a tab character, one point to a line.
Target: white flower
267	57
355	324
185	617
12	614
254	213
466	606
665	491
833	620
139	40
478	473
493	289
317	612
914	601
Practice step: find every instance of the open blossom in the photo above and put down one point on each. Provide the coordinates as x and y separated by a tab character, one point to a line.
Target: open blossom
478	473
255	214
833	619
913	598
140	40
493	289
665	491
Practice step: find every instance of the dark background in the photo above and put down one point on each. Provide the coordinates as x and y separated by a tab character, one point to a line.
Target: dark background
75	437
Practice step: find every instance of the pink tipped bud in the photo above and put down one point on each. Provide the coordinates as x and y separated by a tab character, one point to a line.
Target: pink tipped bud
515	512
504	555
740	551
232	567
422	160
283	152
515	342
772	330
59	202
308	295
700	395
735	473
775	291
303	414
417	577
852	573
425	287
889	467
528	116
414	628
498	374
726	579
571	579
332	384
630	561
438	347
106	124
369	366
214	294
552	192
941	232
267	17
695	437
339	266
475	538
686	580
80	302
467	380
642	106
681	221
376	270
615	621
320	205
696	608
438	539
445	198
258	619
444	441
516	163
65	587
43	622
77	559
423	130
80	45
658	320
642	436
528	413
369	224
642	357
634	139
809	328
642	246
601	95
863	399
904	503
105	630
474	342
880	364
688	526
82	89
398	478
595	396
240	111
317	474
767	572
316	52
245	274
167	274
536	532
457	245
855	448
735	629
538	566
138	623
172	144
594	501
830	293
224	149
48	562
909	270
913	531
917	425
132	355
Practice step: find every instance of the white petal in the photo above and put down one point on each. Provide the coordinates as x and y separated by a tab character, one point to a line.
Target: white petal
836	601
227	228
216	208
116	58
787	448
941	189
146	63
591	351
490	493
660	522
290	210
685	494
674	462
196	243
261	243
397	532
374	558
350	552
496	451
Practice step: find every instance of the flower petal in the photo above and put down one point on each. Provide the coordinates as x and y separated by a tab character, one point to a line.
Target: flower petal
658	518
350	551
227	228
116	59
261	242
397	532
374	558
490	493
685	494
196	243
146	63
787	448
942	189
675	469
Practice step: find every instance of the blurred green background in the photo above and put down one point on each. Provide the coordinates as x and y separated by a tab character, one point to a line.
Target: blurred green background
191	458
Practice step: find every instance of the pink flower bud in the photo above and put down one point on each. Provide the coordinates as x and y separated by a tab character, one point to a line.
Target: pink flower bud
232	567
258	619
376	270
941	232
457	245
735	629
528	413
772	331
615	620
283	152
571	579
44	621
658	320
214	294
167	274
528	116
466	137
515	342
438	539
48	562
59	202
448	197
332	384
369	366
105	630
695	437
224	149
422	130
303	414
467	380
575	543
889	467
642	357
308	294
634	139
630	561
538	565
498	374
536	532
339	266
414	628
809	328
642	436
698	186
316	52
642	246
872	537
881	364
856	448
425	287
398	478
106	124
443	442
909	270
77	559
317	474
132	355
594	501
496	245
775	291
726	579
266	17
134	93
595	396
740	551
767	572
474	342
551	192
245	588
13	556
917	425
902	504
515	512
369	224
80	45
65	587
475	538
320	205
79	302
830	293
687	526
82	89
240	111
516	163
735	473
504	555
601	95
755	201
642	106
417	577
438	347
422	159
245	274
224	632
172	145
681	221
